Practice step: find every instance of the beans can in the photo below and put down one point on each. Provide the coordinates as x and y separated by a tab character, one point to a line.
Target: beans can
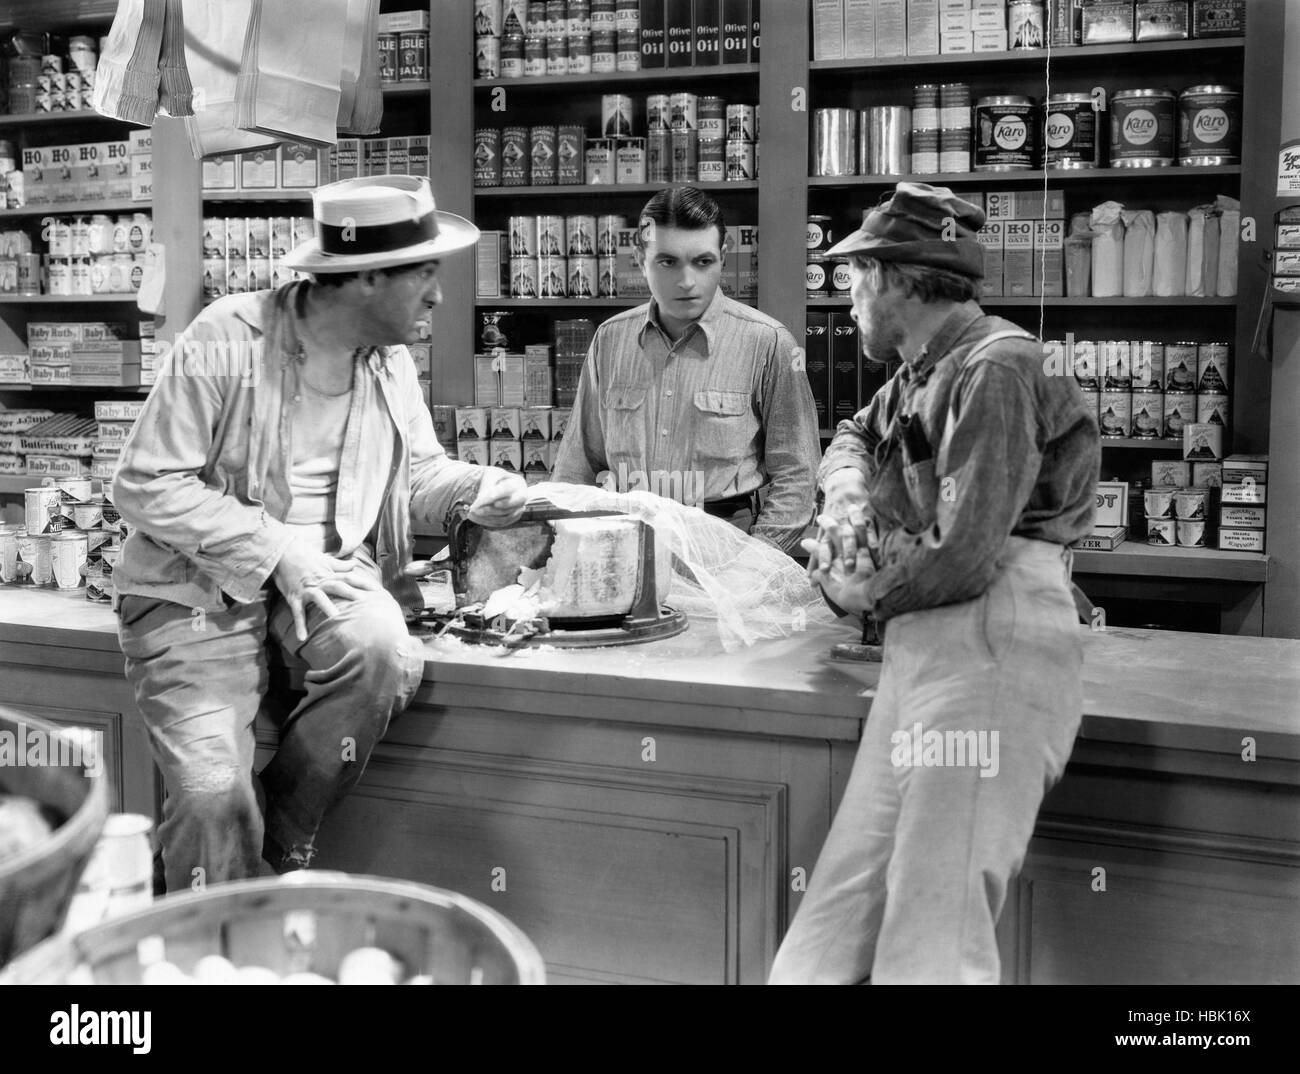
1070	132
1212	367
1209	125
68	558
1180	410
34	551
628	49
552	277
1191	533
579	50
1162	531
523	277
1147	366
1158	503
659	157
604	52
544	161
1004	133
607	277
683	112
740	160
815	276
616	115
580	235
10	558
1116	417
1086	368
711	113
684	160
607	229
711	162
1148	409
1026	24
1212	408
582	278
1114	357
1142	128
1181	361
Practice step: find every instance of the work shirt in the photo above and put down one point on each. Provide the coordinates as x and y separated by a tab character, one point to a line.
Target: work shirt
1015	452
724	410
204	478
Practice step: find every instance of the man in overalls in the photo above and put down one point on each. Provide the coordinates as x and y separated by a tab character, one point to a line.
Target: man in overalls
951	503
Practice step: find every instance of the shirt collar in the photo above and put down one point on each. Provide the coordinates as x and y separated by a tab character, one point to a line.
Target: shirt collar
708	321
939	344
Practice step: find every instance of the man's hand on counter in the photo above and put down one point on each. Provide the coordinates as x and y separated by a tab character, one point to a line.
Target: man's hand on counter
500	500
839	564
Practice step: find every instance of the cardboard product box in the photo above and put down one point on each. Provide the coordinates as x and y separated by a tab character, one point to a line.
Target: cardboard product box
828	30
1218	18
706	32
487	382
817	354
679	33
999	205
507	454
1171	473
113	432
746	261
536	457
922	27
347	158
37	180
559	423
422	356
891	28
1202	441
736	30
989	40
473	451
1106	23
859	29
50	353
374	154
392	22
1207	475
15	369
504	423
511	369
1244	469
53	332
114	410
492	264
12	465
221	172
955	43
103	469
535	423
1038	205
52	376
1287	235
444	424
107	449
1243	493
1049	262
418	155
954	20
629	279
1018	258
1162	20
990	237
259	169
471	423
986	19
1241	540
1112	504
299	166
1237	516
399	156
845	362
1103	539
58	466
538	381
139	141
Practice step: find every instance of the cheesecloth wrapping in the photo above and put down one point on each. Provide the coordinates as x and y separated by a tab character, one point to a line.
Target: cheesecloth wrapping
714	572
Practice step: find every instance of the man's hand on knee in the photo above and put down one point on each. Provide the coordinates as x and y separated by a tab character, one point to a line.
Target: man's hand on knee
307	577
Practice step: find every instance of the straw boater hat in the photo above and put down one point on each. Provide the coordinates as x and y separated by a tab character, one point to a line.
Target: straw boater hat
378	222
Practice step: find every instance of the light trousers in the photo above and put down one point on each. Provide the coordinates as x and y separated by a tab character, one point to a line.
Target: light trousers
973	721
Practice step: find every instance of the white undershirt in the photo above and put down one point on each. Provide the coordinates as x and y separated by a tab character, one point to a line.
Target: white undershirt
319	424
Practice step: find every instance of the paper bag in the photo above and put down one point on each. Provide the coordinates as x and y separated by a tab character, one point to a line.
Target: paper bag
1139	252
1202	251
1107	250
215	44
1169	277
1229	236
126	78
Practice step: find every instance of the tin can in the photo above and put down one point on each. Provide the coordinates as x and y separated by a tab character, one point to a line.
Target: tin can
112	522
887	130
711	113
629	161
557	55
1114	355
598	160
552	276
1181	366
10	571
1091	402
551	236
1142	128
523	236
580	235
1209	125
841	276
607	228
534	56
819	233
51	64
74	489
1191	532
954	106
1212	408
387	45
685	163
1116	416
523	277
954	151
628	50
79	276
236	234
1070	132
512	56
515	168
88	515
68	558
711	163
683	112
413	56
834	141
99	582
925	107
1158	503
607	277
43	510
1148	414
1148	366
1087	368
544	161
740	161
28	273
140	234
1212	367
236	275
214	236
487	58
742	122
604	52
659	157
34	551
578	16
60	238
557	18
8	275
121	866
215	281
1004	133
570	139
658	113
1026	24
579	50
58	276
582	278
815	274
1180	410
1162	531
616	115
81	52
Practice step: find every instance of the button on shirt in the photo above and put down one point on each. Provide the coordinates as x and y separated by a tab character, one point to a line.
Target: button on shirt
722	411
1015	452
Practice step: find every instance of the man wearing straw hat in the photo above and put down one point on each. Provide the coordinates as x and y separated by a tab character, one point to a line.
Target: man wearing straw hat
952	501
271	483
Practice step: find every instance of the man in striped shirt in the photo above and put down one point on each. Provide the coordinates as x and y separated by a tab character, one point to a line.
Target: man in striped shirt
694	395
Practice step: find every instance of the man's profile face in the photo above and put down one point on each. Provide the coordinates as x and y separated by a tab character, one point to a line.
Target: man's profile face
397	302
876	310
683	267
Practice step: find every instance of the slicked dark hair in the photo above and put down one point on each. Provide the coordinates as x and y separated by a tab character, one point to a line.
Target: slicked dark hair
684	207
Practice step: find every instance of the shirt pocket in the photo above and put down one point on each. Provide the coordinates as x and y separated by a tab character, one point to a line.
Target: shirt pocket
724	424
625	424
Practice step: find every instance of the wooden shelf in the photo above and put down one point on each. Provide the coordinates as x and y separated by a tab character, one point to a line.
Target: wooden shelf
619	78
257	195
78	208
1155	561
544	303
405	89
1075	55
1142	444
1029	175
587	189
56	300
1094	303
33	119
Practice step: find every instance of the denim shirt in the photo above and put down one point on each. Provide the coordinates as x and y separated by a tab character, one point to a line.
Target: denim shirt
962	449
729	400
203	478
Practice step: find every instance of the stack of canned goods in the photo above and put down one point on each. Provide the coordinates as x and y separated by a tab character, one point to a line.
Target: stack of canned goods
20	268
559	256
247	253
1149	390
522	39
96	254
403	44
824	275
43	79
67	539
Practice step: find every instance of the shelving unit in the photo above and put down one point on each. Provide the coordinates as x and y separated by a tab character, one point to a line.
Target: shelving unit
992	301
1034	176
600	190
75	208
642	79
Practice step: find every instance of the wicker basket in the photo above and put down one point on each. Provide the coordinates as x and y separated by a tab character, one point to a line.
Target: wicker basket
301	922
37	885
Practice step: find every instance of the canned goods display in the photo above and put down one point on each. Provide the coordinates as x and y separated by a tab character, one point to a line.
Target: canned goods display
512	56
711	114
819	233
1091	401
1116	413
1209	125
34	551
1212	367
815	275
1158	503
740	160
683	112
711	160
1070	132
58	276
616	115
534	56
557	55
1148	414
582	281
43	510
629	161
523	277
1212	408
68	558
1142	128
580	236
834	141
1113	354
1181	366
552	236
607	277
11	570
1162	531
1147	365
1087	371
884	135
841	276
925	107
607	229
742	122
542	155
552	276
1026	24
954	106
28	273
1180	410
1004	133
659	157
1191	533
684	168
1191	503
514	156
579	54
658	112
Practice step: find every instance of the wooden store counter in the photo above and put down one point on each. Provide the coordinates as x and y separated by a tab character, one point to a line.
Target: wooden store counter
646	813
